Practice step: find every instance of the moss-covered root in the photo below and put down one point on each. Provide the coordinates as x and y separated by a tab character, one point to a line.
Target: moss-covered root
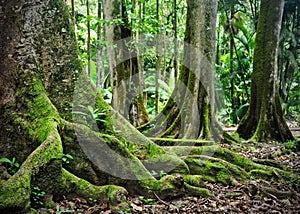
216	170
201	162
15	192
74	185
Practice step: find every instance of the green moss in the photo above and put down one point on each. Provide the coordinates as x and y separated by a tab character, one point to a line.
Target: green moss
264	174
83	188
15	193
205	125
217	170
153	150
231	138
292	145
166	163
224	177
108	125
194	180
181	142
172	128
197	191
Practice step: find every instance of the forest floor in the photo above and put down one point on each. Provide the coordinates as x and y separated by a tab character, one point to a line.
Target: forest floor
253	197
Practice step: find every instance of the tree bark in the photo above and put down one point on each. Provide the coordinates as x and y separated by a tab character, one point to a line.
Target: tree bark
189	111
112	10
264	120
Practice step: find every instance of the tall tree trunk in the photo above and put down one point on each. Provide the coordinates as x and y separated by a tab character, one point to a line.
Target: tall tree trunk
188	112
159	58
176	48
99	78
112	10
232	71
264	120
88	38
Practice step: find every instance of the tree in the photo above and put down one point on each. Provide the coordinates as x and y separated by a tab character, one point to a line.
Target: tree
264	119
51	111
188	113
113	12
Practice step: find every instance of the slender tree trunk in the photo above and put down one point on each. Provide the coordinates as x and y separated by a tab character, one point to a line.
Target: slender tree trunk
88	39
232	71
99	78
264	120
113	9
159	59
176	51
73	11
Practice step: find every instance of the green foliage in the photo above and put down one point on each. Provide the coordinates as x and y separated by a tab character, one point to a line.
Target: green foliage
62	210
165	90
147	200
91	115
292	145
159	175
13	165
93	201
127	211
234	72
153	150
67	158
37	196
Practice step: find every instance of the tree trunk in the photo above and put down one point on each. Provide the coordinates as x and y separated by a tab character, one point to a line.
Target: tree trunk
112	10
264	120
189	111
99	78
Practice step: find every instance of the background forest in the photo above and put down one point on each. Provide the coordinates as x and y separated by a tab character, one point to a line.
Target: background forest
235	36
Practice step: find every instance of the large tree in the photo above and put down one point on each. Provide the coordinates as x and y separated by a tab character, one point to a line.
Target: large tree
189	112
50	110
264	120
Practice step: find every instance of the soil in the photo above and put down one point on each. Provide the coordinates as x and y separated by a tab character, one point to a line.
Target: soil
256	196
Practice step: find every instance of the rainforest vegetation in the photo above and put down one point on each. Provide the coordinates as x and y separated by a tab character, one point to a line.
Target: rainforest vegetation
157	106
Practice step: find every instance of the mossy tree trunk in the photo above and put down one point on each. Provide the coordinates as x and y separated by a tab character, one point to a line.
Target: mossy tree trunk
188	113
126	77
264	120
45	106
112	11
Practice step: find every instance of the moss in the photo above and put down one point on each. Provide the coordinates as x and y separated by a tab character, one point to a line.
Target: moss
42	116
216	170
107	125
181	142
264	174
224	177
194	180
292	145
15	193
231	138
197	191
173	128
206	117
81	187
166	163
153	150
